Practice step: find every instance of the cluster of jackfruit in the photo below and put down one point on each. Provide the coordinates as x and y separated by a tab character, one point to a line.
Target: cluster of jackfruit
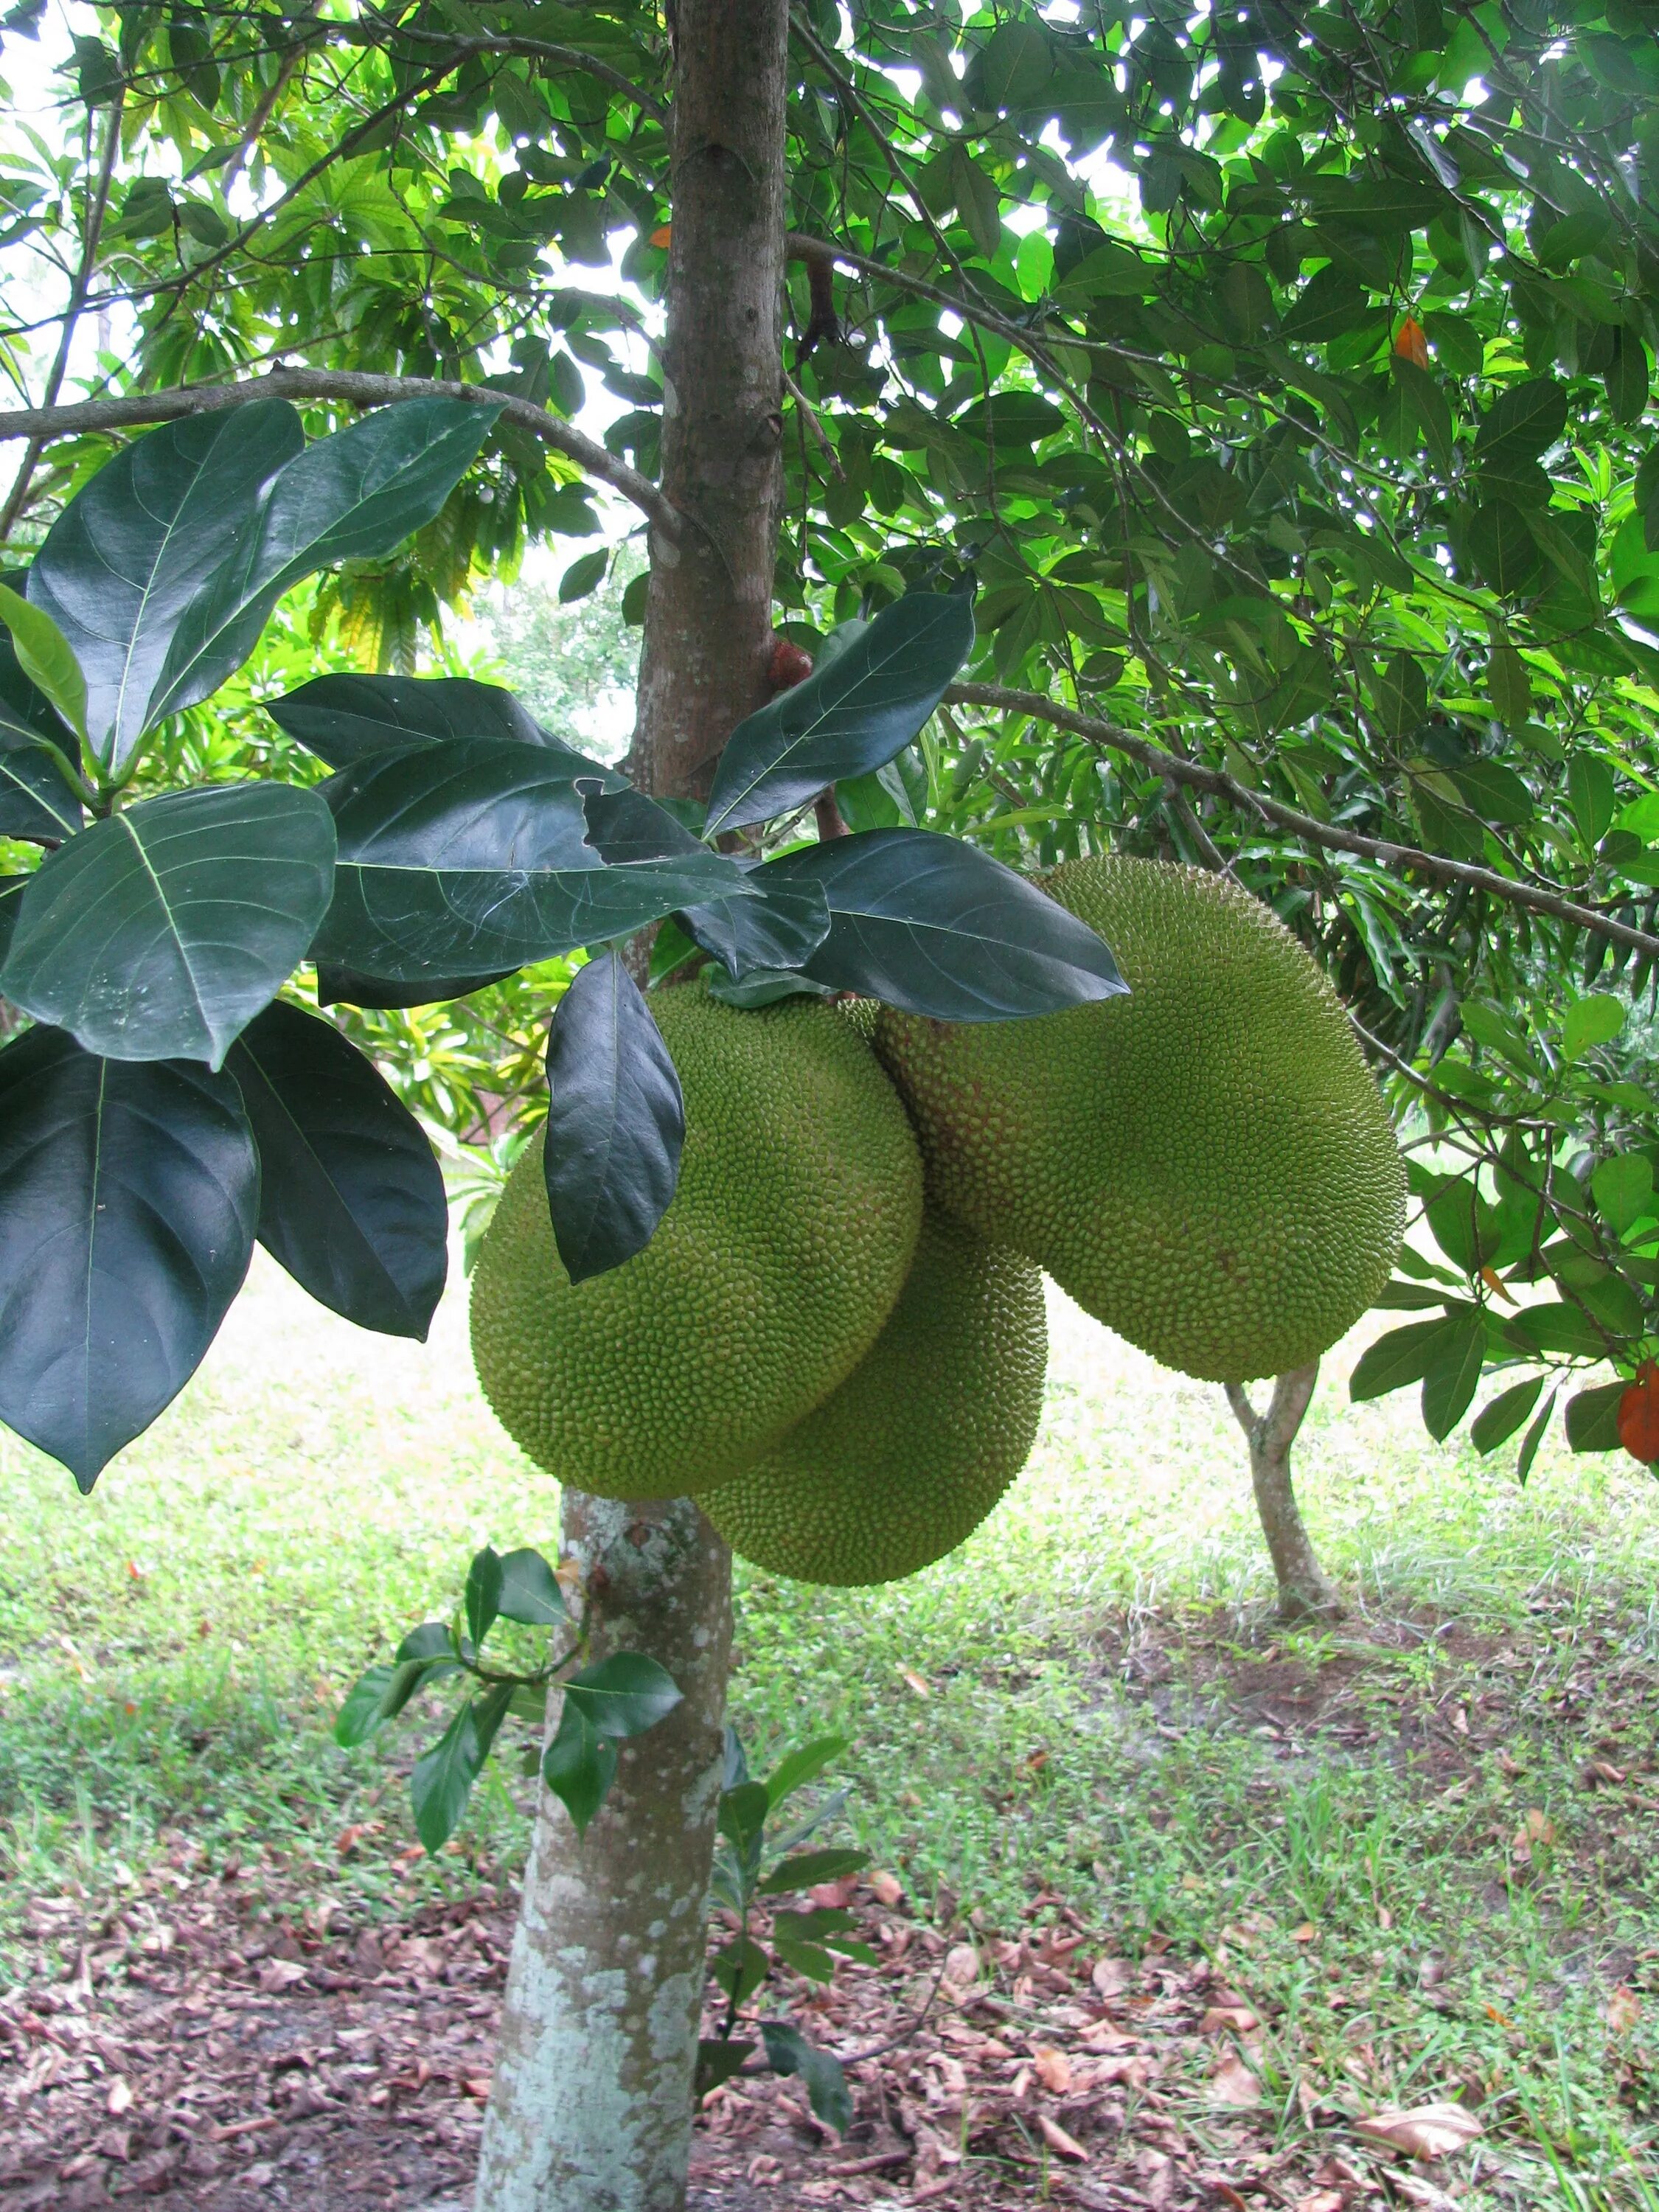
836	1339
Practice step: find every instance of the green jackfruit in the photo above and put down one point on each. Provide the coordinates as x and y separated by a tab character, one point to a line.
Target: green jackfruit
768	1278
903	1462
1206	1164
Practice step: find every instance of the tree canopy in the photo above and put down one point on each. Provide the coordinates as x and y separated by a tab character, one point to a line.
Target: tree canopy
1276	376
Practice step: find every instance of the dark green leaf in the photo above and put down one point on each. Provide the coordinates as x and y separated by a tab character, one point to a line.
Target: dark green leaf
807	1867
739	1969
1505	548
1523	421
1530	1441
431	1640
1496	1423
788	2051
482	1595
469	857
344	718
351	498
933	926
159	934
351	1199
1403	1356
1450	1384
764	986
579	1767
803	1765
530	1591
718	2058
854	712
443	1777
623	1695
129	1193
139	547
360	1712
615	1121
36	801
583	576
1562	1328
1592	1418
743	1812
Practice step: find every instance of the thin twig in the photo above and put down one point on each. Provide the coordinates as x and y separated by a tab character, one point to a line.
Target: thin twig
1174	769
810	417
95	209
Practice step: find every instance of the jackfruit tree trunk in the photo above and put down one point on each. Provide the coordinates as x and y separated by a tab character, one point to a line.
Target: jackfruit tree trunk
590	2108
1306	1592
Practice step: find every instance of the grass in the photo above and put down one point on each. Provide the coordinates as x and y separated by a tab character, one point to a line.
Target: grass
1421	1839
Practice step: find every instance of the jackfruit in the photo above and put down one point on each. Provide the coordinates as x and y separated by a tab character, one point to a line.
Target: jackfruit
769	1277
906	1459
1205	1165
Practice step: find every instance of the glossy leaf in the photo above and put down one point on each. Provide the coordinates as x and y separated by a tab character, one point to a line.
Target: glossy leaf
483	1597
344	718
360	1709
443	1777
470	857
129	1193
352	1202
807	1867
351	497
530	1591
801	1765
615	1121
578	1765
1592	1417
160	932
1450	1385
1404	1355
139	547
936	928
1496	1423
36	801
338	987
623	1695
847	717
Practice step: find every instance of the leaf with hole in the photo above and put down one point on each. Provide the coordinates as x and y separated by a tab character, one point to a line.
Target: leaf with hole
615	1121
351	1198
129	1193
160	932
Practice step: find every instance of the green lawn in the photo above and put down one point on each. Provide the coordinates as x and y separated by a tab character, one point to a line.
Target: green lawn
1424	1839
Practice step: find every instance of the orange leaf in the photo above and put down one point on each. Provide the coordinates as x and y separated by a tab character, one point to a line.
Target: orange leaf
1638	1415
1410	343
1058	2140
661	237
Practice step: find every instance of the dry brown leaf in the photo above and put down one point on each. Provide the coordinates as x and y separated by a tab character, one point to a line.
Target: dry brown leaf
1059	2141
1536	1832
1307	1933
1426	2131
1322	2200
915	1682
961	1969
119	2099
1054	2068
1112	1977
1624	2010
1228	2019
1233	2083
888	1890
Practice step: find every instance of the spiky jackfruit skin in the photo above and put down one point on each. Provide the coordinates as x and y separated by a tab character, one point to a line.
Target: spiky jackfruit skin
769	1277
1206	1164
906	1459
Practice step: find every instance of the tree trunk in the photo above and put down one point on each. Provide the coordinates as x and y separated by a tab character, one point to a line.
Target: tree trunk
591	2110
1306	1592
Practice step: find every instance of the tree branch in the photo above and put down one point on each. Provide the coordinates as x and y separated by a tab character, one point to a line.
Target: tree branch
356	388
1305	827
374	33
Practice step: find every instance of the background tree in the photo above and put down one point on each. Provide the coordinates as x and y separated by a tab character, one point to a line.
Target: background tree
1280	377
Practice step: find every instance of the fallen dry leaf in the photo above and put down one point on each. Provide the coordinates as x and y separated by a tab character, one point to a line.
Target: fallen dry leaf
916	1682
1059	2141
1322	2200
1427	2131
1112	1977
1624	2010
1233	2083
119	2099
1228	2019
887	1889
1054	2068
1536	1832
1307	1933
961	1968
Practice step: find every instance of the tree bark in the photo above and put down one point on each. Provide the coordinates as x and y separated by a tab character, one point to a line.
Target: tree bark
1306	1592
590	2108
